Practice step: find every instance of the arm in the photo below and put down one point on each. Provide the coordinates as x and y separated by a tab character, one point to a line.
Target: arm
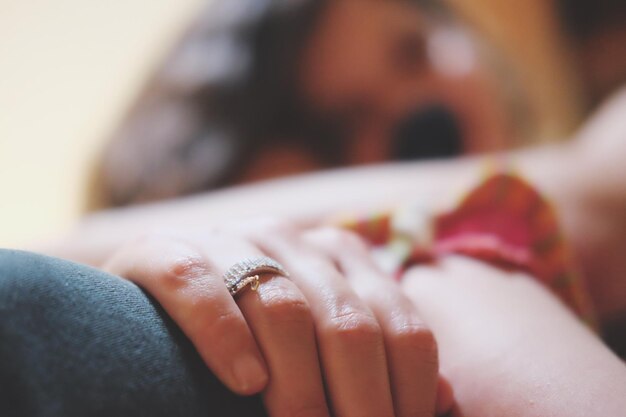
582	178
508	347
304	199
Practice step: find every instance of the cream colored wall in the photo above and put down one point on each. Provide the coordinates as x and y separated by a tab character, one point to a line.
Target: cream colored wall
68	69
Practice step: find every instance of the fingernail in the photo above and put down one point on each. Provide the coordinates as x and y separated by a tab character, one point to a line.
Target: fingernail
250	374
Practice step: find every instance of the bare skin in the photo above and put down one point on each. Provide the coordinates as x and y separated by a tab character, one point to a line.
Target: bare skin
372	62
506	344
323	339
584	178
510	348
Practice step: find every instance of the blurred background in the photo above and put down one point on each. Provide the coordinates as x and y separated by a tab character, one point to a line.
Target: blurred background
68	71
71	70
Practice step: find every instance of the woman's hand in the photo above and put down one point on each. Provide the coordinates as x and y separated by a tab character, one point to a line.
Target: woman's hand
510	348
311	343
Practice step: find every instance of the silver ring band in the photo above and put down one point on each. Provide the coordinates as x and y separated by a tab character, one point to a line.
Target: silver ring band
248	271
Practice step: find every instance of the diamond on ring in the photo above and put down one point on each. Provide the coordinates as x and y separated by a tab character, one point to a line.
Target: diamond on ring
248	272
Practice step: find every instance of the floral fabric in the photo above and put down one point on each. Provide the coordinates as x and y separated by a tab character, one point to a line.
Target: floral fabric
504	221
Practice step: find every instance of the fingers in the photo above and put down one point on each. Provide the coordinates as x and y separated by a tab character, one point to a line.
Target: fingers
410	346
187	279
280	318
337	319
350	339
183	281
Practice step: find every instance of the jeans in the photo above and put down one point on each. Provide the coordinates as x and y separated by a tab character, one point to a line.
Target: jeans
75	341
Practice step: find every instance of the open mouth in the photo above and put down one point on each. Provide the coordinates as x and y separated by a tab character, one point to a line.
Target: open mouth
430	132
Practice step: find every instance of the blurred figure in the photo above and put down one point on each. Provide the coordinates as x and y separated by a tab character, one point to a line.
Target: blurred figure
260	89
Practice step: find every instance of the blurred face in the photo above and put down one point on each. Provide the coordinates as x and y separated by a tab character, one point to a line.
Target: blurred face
376	65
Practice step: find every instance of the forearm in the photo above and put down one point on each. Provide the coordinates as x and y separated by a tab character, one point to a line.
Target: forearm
305	199
312	198
509	348
583	179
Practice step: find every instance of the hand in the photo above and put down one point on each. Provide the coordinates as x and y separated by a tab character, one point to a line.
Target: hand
311	343
510	348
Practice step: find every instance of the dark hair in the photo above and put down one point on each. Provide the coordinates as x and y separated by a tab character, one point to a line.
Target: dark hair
583	18
226	89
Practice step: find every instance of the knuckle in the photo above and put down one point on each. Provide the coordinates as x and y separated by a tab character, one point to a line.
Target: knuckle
417	338
184	269
354	325
285	306
162	258
288	308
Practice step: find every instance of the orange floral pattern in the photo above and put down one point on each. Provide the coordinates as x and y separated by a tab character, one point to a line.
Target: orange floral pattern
504	221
